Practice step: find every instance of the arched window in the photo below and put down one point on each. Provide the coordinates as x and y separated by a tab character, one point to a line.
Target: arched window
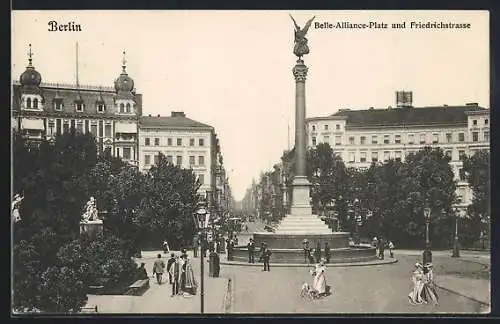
28	103
35	103
122	107
128	107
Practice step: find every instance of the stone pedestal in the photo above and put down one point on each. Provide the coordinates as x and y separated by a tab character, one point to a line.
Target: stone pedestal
92	229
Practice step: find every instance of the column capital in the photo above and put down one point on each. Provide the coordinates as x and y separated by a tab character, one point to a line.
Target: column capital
300	71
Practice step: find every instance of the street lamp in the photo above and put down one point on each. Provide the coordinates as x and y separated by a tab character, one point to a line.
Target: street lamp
427	255
456	248
201	223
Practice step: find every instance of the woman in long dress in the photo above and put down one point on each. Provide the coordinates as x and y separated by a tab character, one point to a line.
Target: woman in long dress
429	293
417	278
319	282
190	284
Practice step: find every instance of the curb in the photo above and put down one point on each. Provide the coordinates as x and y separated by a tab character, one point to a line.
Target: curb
460	294
288	265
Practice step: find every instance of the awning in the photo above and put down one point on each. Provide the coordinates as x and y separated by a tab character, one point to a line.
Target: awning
125	128
32	124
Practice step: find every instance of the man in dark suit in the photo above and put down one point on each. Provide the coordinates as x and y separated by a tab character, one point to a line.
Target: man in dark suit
381	248
266	256
251	249
170	262
327	252
175	272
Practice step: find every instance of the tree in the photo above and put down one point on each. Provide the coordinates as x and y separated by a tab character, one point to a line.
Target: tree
477	170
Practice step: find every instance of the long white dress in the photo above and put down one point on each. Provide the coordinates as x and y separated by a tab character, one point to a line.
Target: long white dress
319	282
415	295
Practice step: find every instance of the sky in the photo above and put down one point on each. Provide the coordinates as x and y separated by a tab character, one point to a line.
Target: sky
233	69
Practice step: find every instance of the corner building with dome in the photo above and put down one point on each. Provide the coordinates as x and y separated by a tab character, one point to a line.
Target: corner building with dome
42	110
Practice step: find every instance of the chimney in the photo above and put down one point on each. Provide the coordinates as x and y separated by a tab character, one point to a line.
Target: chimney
404	99
178	114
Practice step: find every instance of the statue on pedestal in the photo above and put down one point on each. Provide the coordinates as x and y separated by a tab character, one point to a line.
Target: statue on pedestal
90	213
301	47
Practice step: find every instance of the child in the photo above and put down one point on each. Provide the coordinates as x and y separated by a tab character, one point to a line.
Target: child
391	247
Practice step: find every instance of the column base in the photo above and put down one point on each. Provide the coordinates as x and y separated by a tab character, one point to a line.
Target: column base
301	201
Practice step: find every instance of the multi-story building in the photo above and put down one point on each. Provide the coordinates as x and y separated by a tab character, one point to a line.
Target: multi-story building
42	110
361	137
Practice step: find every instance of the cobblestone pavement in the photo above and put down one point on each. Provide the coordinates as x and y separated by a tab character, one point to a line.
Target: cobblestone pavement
157	298
370	289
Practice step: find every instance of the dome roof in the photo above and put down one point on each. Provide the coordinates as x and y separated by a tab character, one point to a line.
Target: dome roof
30	77
124	83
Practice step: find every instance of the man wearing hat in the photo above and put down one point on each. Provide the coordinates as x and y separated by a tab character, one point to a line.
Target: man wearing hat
266	256
170	262
251	249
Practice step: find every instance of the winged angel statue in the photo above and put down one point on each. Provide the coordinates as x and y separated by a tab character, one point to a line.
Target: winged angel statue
301	47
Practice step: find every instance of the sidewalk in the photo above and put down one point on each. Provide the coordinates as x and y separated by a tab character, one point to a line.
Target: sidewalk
157	299
475	289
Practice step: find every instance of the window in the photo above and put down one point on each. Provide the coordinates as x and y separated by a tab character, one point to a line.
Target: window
313	128
126	153
398	156
313	141
397	139
156	159
93	129
100	108
435	138
201	142
201	179
101	128
374	156
107	130
169	158
147	141
461	137
191	160
51	127
387	155
35	103
362	140
475	136
351	140
447	153
72	124
28	103
169	141
201	160
147	159
411	138
461	154
128	108
448	137
486	136
79	127
179	142
352	157
337	127
122	108
58	126
386	139
422	138
58	105
326	127
87	123
362	157
338	140
326	139
191	142
179	160
486	121
157	141
474	122
79	107
461	174
374	139
118	152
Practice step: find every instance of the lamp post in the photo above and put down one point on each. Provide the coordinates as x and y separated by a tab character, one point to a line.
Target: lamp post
357	219
427	255
201	213
456	247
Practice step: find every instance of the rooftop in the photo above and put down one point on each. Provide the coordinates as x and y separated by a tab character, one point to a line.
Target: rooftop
176	120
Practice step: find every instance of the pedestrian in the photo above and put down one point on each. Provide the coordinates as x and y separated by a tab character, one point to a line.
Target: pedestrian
391	247
165	247
142	274
327	252
266	256
261	251
251	248
158	268
175	272
246	228
170	262
228	247
307	251
381	248
196	244
317	252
